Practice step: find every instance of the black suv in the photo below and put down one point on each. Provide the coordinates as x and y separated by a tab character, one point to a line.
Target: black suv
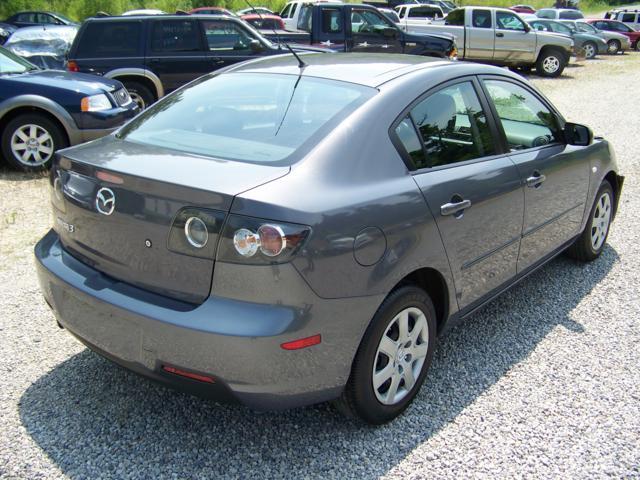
153	55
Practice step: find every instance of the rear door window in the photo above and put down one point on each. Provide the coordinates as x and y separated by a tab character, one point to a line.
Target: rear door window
452	128
331	20
629	17
175	36
110	39
481	19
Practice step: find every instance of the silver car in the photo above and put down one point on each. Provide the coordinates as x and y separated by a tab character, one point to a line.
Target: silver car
310	226
616	42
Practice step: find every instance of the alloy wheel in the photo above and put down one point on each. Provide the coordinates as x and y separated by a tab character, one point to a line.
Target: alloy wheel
32	145
400	356
612	47
551	64
589	50
600	221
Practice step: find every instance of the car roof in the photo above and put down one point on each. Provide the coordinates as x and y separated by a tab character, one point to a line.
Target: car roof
368	69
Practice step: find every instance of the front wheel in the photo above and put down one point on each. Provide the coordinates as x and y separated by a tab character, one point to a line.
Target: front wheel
393	358
590	50
30	140
613	47
550	63
589	245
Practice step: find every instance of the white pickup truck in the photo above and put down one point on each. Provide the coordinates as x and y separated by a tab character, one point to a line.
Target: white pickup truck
501	37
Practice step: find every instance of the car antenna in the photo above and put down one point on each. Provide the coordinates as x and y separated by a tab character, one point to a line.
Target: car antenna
301	63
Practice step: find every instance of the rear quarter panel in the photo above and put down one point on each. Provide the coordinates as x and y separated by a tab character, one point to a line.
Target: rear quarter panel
356	180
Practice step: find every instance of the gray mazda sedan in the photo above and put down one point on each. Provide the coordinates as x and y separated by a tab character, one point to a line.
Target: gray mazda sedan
282	233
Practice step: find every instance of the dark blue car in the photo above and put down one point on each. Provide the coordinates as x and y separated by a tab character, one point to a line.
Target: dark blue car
42	111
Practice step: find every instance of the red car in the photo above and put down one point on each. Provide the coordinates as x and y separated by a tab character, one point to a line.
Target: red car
213	11
523	9
618	27
264	22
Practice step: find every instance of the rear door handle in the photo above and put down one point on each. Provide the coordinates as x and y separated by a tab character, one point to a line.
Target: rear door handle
454	207
535	180
499	34
217	60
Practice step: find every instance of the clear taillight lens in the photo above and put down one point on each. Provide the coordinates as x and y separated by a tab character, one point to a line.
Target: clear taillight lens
256	241
195	232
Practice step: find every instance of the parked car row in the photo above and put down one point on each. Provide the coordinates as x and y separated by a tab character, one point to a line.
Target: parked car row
153	54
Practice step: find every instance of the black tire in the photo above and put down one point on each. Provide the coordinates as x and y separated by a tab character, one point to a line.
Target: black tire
637	46
583	249
359	399
140	93
613	47
590	50
548	58
40	152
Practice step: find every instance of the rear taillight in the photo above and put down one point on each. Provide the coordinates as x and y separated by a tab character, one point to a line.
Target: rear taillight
72	66
256	241
195	232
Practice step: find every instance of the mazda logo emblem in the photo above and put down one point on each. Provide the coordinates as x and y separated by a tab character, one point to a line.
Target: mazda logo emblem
105	201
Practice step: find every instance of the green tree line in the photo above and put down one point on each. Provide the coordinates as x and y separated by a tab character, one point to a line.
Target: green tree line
81	9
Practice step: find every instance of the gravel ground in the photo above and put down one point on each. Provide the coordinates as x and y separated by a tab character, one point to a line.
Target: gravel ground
543	382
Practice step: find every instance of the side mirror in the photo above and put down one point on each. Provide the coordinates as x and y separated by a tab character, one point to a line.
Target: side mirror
256	46
576	134
527	28
389	32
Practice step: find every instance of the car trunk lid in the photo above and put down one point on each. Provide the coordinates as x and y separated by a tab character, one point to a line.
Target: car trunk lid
148	187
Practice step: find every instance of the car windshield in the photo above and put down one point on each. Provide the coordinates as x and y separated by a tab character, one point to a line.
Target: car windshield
11	63
257	118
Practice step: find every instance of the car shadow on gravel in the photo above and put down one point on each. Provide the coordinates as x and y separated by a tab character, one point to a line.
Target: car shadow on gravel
95	420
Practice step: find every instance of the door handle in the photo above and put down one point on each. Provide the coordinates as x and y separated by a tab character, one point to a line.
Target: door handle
217	60
455	207
499	34
155	60
535	180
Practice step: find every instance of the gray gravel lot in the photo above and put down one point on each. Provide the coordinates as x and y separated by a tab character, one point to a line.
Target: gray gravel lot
543	382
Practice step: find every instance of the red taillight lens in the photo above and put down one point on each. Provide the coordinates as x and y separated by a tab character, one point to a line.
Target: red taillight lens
72	66
255	241
191	375
272	240
302	342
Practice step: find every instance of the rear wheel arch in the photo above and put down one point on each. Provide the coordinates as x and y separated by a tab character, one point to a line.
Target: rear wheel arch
138	78
434	284
612	178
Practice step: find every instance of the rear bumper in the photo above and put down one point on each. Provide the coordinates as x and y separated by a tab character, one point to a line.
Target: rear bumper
236	342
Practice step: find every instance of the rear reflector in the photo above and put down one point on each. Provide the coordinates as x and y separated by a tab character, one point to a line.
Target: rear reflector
302	343
183	373
72	66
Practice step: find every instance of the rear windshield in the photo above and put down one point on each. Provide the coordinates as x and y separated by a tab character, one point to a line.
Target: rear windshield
258	118
571	14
